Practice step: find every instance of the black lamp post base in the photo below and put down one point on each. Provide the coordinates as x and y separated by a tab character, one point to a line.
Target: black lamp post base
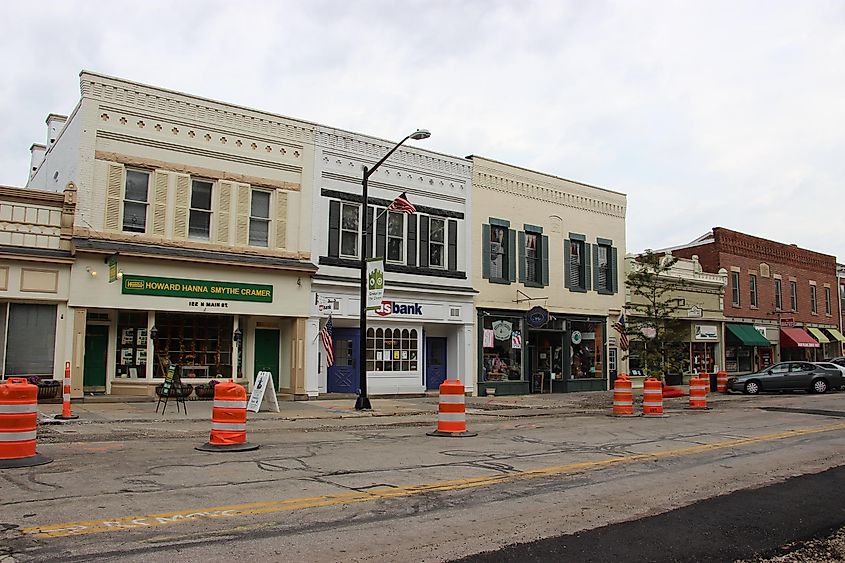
363	404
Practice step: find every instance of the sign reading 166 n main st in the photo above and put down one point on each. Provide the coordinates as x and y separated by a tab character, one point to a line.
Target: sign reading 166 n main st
202	289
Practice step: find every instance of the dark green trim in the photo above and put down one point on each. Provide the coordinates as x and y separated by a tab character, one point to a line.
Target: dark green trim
499	222
576	236
532	229
604	241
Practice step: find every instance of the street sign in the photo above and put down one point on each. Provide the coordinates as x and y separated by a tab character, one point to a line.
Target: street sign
259	393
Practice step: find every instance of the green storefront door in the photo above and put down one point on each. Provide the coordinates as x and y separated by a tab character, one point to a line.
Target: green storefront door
96	349
267	353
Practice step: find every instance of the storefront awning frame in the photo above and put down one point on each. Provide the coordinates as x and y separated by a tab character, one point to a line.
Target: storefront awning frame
796	338
747	335
834	332
818	335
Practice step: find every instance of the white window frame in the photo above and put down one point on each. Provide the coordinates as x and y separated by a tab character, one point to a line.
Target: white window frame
356	232
608	274
752	289
828	307
145	203
502	253
814	300
255	218
209	211
778	295
537	258
402	238
432	243
735	299
793	295
577	249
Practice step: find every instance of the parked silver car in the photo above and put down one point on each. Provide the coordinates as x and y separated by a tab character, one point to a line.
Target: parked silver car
788	376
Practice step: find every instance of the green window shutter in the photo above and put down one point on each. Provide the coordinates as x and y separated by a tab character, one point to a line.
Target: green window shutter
511	255
544	258
381	236
412	240
334	228
522	256
224	212
595	266
587	264
181	208
567	258
160	203
424	241
281	219
485	251
243	209
614	271
453	245
114	193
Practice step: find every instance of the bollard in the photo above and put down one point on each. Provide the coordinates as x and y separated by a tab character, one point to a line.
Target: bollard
19	424
66	414
722	381
698	392
451	411
623	396
652	397
228	420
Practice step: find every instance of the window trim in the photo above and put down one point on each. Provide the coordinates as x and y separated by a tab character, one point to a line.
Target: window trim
403	238
793	295
209	211
735	297
504	247
581	242
778	294
124	199
752	290
268	220
814	300
828	306
608	282
444	258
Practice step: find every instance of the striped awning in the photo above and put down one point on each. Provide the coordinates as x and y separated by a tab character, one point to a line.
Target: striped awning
836	334
818	335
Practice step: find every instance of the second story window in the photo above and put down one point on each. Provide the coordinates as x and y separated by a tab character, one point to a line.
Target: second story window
576	259
135	200
793	295
395	237
437	243
259	218
813	300
752	286
349	230
778	294
735	289
533	268
604	281
199	223
827	306
498	252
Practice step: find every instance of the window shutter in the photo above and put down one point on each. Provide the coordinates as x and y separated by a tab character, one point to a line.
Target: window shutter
544	258
381	236
424	241
412	240
567	264
160	203
181	207
242	227
453	245
522	256
369	228
114	193
485	251
587	264
595	266
334	228
511	255
224	212
614	271
281	219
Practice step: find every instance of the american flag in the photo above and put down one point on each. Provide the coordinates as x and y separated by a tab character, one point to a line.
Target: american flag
402	205
328	342
619	325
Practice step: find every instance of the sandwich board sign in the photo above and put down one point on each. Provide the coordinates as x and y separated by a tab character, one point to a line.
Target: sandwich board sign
259	393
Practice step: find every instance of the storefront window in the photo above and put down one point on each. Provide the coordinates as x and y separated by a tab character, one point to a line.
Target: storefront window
739	358
31	339
502	345
131	345
392	349
703	356
201	345
587	350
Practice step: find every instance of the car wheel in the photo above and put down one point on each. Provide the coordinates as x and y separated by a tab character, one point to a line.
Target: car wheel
752	388
819	386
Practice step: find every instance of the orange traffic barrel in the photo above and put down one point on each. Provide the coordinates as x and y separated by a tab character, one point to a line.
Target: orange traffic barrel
652	397
451	411
66	412
698	392
623	396
19	424
228	420
706	377
722	381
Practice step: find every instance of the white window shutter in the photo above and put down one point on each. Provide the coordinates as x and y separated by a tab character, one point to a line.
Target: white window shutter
224	212
160	203
242	230
114	194
281	219
183	202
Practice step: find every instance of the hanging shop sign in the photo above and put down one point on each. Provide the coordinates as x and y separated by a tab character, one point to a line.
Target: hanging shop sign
537	317
502	329
576	337
201	289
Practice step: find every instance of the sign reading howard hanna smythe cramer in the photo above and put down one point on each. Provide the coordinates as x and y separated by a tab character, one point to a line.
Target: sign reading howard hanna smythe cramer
202	289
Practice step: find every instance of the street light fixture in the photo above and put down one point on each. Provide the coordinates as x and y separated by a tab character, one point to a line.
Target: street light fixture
363	401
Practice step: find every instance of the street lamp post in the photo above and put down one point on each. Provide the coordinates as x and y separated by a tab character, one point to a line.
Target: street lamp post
363	401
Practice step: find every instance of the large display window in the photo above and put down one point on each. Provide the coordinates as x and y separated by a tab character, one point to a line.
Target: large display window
392	349
131	349
587	350
201	345
502	349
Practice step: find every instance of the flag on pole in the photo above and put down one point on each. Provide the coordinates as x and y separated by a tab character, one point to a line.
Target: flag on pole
402	205
328	342
619	325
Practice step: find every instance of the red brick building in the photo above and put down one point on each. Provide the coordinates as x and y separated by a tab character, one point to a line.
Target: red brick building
787	295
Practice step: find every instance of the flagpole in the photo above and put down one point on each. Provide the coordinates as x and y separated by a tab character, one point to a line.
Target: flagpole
363	401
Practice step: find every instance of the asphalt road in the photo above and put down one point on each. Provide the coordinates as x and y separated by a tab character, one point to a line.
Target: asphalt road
638	487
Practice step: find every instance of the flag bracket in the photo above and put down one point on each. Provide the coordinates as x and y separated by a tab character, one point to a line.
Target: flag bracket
526	297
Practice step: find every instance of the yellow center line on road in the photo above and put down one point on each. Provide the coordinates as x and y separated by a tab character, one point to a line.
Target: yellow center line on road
371	495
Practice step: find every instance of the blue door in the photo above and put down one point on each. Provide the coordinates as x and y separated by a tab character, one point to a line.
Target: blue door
435	362
343	375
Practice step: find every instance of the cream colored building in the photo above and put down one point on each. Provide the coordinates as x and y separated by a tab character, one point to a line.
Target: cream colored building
546	265
191	237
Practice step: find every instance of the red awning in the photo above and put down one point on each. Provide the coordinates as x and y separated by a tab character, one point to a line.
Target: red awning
796	338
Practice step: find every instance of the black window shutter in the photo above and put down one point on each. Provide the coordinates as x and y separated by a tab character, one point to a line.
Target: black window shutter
381	236
412	240
453	245
544	258
567	263
596	268
485	251
586	265
522	256
424	241
511	255
369	226
334	228
614	271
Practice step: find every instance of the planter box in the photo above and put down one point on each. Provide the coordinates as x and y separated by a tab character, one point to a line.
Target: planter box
49	389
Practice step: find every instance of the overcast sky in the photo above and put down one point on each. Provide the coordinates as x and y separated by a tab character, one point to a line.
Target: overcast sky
704	113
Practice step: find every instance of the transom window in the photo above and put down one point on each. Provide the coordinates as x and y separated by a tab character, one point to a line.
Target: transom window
349	230
437	243
259	218
393	349
135	201
395	236
199	223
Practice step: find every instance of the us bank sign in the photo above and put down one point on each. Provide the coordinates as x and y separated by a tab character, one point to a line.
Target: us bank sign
199	289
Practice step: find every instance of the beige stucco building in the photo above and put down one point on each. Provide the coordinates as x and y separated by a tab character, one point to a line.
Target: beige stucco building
546	256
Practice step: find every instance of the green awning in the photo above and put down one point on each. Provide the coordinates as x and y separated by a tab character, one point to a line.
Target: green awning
746	335
836	334
818	335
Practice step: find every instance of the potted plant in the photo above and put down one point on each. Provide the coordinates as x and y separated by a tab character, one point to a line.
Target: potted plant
47	388
205	390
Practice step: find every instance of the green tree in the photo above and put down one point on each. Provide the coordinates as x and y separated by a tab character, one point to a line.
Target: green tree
652	314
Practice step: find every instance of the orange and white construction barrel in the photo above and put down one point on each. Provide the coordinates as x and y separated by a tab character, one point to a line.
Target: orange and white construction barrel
19	424
623	396
228	420
698	392
722	381
652	397
66	412
451	411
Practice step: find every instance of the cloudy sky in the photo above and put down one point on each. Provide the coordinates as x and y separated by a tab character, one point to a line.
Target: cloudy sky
716	113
